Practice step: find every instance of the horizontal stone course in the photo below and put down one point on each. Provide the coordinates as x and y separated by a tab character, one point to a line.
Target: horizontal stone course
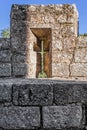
67	93
33	94
19	117
60	117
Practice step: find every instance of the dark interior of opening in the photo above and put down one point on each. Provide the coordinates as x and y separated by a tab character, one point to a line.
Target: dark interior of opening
43	35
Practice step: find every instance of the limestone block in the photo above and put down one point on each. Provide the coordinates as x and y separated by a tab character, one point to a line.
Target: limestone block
5	92
5	69
81	55
78	69
19	117
60	117
57	45
20	69
33	94
62	56
60	70
82	42
5	56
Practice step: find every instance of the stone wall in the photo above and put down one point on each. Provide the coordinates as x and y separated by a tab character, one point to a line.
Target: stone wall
43	105
5	57
57	25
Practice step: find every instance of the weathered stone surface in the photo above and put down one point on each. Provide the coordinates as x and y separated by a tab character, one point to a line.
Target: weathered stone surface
60	117
19	117
33	94
81	42
66	93
5	56
78	69
81	55
19	69
60	70
5	69
4	43
62	57
17	58
5	92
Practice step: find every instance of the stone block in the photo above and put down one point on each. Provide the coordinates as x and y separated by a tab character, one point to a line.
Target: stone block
62	56
19	117
81	55
61	93
67	93
78	69
5	69
4	43
81	42
5	56
18	58
59	117
5	92
60	70
19	69
33	94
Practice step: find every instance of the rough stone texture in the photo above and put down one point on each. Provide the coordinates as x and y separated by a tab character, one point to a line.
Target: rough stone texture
81	55
4	43
19	117
56	105
62	116
57	24
5	69
5	92
33	94
5	56
60	70
19	69
65	93
78	69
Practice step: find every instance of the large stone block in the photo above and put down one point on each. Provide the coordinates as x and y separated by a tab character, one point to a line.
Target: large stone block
5	69
5	92
33	94
67	93
62	56
60	70
78	69
81	42
5	56
60	117
81	55
19	69
19	117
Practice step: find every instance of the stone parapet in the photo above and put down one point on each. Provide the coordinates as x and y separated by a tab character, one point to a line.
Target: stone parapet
36	104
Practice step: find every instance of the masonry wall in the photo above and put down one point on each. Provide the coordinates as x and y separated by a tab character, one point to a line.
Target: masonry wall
43	105
5	57
29	22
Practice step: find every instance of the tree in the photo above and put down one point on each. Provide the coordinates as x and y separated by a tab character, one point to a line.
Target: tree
5	33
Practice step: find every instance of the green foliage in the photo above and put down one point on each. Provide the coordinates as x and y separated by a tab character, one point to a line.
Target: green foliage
5	33
85	34
42	75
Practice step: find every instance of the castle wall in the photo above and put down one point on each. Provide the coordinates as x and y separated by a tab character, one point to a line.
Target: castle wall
42	104
61	20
